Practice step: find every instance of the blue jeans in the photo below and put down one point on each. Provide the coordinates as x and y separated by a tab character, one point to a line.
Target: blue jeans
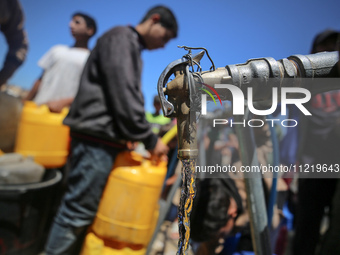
90	166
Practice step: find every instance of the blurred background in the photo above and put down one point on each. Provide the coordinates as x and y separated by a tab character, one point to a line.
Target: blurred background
232	31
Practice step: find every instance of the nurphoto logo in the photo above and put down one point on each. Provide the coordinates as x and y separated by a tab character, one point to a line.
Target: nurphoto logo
238	103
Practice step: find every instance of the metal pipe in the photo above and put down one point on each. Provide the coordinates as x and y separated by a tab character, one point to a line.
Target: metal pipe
254	189
263	74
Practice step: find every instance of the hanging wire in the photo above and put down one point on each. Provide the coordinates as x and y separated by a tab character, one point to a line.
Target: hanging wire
200	48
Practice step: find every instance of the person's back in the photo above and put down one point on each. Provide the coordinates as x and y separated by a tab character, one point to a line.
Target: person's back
319	146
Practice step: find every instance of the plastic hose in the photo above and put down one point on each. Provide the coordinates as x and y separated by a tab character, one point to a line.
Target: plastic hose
170	135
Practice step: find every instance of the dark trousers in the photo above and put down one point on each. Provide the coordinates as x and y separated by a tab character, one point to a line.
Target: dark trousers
313	196
90	166
331	241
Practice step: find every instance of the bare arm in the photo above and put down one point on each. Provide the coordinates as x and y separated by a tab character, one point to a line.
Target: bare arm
54	105
33	92
58	105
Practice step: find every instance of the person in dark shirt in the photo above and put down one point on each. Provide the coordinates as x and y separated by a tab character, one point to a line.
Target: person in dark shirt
331	241
12	26
319	145
106	114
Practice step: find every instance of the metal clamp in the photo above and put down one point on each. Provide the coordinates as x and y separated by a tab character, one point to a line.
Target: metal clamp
168	107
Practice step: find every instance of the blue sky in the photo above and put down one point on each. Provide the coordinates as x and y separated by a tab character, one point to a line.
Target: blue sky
232	31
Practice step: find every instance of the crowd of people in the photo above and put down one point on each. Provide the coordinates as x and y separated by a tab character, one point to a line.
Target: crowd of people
102	125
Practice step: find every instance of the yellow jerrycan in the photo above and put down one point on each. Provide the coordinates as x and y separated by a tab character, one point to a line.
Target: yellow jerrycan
42	135
128	210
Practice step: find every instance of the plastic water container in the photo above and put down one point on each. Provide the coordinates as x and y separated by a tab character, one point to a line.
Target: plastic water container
129	208
95	245
42	135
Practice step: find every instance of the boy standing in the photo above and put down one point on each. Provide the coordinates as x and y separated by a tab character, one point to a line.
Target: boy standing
106	114
62	67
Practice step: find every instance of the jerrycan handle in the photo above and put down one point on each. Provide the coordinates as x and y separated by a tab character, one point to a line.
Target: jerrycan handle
29	103
65	111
